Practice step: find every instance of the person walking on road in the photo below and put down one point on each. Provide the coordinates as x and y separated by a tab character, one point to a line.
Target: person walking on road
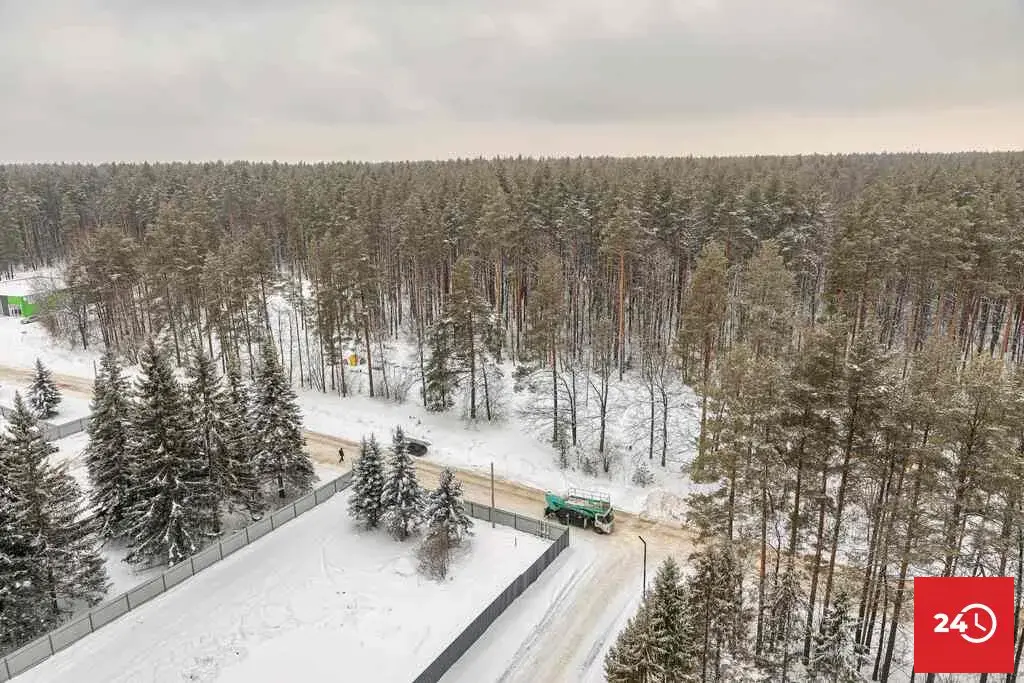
341	454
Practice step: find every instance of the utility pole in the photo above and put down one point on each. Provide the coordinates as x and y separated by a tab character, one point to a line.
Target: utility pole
491	515
645	565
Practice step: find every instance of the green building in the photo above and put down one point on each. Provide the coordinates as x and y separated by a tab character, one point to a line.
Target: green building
20	298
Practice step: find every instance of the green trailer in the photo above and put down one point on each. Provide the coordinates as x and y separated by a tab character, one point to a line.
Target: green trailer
582	508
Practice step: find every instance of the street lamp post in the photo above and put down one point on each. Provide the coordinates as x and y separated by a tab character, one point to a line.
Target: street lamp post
645	565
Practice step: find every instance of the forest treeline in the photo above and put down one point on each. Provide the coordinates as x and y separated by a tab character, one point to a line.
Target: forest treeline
921	243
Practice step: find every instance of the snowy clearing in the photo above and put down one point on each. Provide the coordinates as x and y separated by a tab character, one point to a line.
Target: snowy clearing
318	600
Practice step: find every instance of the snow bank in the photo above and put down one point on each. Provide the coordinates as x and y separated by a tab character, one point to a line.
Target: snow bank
70	408
317	599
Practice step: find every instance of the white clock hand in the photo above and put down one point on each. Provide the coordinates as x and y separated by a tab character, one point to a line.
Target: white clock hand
977	624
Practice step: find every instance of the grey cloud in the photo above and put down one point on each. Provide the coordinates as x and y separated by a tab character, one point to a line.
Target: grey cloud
137	65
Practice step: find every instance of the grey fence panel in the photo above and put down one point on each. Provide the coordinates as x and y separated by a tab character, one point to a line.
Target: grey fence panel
144	593
304	504
108	611
285	514
205	558
259	529
232	543
24	659
69	633
177	574
458	647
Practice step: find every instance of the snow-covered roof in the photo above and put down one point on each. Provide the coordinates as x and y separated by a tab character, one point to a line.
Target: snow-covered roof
23	286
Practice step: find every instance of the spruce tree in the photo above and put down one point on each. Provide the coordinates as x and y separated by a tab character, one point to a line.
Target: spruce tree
445	510
171	514
834	654
716	602
107	454
636	656
366	503
45	511
402	498
242	468
669	627
440	377
43	395
23	608
207	411
280	448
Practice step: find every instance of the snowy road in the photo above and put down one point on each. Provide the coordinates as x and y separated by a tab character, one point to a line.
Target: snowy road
562	626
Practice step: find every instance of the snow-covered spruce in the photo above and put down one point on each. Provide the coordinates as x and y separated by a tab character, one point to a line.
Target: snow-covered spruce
207	412
402	497
445	508
447	525
23	612
106	454
366	503
243	471
834	655
276	423
43	395
50	549
173	508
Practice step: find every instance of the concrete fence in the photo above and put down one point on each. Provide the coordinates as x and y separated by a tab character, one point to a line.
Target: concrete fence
458	647
51	431
46	646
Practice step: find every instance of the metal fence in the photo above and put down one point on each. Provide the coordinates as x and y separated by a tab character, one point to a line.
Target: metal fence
51	431
42	648
458	647
46	646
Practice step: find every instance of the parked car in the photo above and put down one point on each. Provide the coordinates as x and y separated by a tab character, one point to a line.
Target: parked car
417	447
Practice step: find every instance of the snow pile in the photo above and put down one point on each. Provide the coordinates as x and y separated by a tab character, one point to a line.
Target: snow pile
319	600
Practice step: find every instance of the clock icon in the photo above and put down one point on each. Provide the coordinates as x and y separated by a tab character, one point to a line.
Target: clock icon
979	620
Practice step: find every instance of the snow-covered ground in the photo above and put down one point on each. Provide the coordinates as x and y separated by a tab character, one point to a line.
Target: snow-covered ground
317	600
71	407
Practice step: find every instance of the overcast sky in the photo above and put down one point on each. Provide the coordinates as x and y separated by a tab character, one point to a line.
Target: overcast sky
96	80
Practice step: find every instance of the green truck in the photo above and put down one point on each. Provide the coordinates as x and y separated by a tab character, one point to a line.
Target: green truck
582	508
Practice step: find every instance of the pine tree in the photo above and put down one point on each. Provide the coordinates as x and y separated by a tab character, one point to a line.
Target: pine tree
402	497
366	503
207	412
45	508
241	463
172	500
277	428
834	653
107	454
43	395
441	378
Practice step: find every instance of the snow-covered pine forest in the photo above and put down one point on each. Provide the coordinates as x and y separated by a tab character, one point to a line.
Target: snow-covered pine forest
852	327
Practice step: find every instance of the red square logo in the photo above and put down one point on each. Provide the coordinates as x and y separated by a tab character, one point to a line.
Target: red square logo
963	625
